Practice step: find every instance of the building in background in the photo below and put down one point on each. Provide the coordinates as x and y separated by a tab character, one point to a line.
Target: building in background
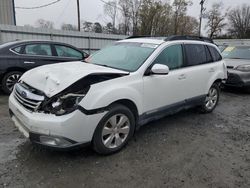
7	12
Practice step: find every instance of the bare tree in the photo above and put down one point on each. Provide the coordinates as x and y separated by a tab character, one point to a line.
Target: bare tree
97	27
135	10
109	28
180	10
87	26
239	19
155	18
110	9
45	24
69	27
125	7
162	20
148	12
216	19
188	25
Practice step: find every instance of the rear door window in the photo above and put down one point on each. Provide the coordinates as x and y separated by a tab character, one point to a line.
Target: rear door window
65	51
38	49
215	54
196	54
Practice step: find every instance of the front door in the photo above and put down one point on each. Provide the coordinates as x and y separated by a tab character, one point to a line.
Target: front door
162	92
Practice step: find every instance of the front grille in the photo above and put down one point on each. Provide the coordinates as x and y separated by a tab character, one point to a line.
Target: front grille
230	67
27	98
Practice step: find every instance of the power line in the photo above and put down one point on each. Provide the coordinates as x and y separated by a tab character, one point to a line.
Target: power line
41	6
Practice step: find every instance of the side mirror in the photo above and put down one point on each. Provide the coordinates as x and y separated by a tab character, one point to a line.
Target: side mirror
160	69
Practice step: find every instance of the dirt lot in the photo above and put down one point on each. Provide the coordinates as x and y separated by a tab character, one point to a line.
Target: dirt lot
185	150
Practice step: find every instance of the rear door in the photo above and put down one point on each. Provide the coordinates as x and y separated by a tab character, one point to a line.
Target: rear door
66	53
37	54
199	69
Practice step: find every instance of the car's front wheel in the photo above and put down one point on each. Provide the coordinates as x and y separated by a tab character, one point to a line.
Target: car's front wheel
211	99
114	130
9	80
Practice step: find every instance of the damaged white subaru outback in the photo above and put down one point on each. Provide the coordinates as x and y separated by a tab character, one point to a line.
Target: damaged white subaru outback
103	101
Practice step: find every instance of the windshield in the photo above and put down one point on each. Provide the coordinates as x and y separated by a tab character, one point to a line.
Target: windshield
237	52
127	56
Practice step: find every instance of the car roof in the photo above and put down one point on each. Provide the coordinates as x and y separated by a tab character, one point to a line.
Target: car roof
19	42
161	40
156	41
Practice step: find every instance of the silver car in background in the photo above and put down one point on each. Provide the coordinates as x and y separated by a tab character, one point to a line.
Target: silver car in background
237	59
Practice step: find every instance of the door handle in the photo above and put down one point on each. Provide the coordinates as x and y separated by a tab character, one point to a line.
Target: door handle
28	62
182	77
211	70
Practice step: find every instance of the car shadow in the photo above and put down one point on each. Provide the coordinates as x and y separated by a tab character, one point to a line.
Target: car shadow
161	126
235	90
2	93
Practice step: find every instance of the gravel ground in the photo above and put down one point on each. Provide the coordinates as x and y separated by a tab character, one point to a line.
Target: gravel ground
185	150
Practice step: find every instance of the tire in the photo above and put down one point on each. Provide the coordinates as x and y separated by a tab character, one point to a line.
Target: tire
109	131
211	100
9	80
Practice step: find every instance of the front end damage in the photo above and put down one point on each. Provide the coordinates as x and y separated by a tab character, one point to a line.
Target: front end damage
57	121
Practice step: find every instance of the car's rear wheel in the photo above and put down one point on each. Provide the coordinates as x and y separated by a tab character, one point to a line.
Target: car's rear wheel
114	130
9	80
211	99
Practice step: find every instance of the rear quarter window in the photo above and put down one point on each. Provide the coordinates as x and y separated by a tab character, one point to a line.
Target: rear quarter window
215	54
17	49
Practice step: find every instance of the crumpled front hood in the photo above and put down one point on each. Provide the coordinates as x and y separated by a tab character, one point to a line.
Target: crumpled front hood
236	62
52	79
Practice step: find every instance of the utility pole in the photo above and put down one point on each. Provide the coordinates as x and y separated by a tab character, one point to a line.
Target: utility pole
201	15
78	15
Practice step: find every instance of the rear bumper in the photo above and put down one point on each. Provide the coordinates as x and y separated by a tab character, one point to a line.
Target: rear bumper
238	78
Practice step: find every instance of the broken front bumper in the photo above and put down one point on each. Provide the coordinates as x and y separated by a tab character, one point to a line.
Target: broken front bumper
60	132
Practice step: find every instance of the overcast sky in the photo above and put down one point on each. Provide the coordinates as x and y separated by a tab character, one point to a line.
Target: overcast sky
91	10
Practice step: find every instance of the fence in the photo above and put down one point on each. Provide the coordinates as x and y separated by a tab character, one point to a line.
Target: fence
232	41
83	40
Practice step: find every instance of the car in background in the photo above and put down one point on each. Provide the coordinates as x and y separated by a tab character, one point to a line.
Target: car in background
19	56
237	59
222	47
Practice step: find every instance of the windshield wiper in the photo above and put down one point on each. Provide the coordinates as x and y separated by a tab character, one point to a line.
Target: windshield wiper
103	65
235	58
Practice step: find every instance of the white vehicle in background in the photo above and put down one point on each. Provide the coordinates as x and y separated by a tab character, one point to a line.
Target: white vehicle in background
122	87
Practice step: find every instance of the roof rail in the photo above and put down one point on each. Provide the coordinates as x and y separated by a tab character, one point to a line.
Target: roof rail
139	36
186	37
174	37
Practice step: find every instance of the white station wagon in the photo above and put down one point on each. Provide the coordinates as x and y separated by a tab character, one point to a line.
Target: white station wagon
121	87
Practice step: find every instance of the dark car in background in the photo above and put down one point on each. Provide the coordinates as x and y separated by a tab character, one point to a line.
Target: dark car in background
20	56
237	59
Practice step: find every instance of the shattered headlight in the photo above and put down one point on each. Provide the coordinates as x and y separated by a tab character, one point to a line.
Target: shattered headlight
243	68
65	104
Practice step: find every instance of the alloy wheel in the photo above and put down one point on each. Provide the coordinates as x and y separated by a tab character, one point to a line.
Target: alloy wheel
115	131
211	98
11	81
